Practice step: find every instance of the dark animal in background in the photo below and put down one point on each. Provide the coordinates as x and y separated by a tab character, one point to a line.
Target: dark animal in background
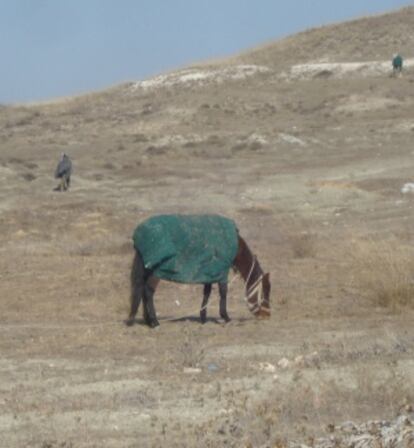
63	172
397	64
194	249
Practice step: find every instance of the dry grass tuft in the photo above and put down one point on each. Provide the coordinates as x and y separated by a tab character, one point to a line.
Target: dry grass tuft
303	244
384	272
191	351
301	235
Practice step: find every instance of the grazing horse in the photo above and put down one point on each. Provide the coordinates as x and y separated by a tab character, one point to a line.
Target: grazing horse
194	249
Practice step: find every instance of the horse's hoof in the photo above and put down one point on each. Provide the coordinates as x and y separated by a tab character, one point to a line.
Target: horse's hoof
154	324
263	314
129	322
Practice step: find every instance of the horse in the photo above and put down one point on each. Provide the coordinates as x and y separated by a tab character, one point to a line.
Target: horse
397	64
156	233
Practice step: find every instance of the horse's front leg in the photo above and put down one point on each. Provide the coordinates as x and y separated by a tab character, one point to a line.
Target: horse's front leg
150	315
206	296
223	302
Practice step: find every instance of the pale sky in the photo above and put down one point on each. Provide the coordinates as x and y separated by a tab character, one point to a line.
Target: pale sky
53	48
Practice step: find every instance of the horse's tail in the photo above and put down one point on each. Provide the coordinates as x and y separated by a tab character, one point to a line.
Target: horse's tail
137	286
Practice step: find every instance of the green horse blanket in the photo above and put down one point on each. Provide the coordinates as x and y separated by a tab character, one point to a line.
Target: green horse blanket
397	61
188	248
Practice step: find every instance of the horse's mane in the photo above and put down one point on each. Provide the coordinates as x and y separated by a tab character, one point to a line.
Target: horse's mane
245	259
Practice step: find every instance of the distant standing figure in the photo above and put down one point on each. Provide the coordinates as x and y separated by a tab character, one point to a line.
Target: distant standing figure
397	64
63	172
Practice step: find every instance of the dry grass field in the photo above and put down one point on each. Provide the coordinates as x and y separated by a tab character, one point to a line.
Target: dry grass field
310	161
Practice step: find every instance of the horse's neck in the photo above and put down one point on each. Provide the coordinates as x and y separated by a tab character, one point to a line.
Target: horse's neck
247	264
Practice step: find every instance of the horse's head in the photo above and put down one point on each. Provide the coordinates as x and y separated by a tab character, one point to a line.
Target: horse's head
258	297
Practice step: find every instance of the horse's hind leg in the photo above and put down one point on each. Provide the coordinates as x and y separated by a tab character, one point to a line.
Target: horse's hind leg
150	315
206	296
137	287
223	302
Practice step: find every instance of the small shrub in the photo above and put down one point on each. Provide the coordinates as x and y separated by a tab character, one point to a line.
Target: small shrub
31	165
156	150
140	138
324	74
29	177
147	109
303	245
213	140
255	145
190	144
384	271
241	146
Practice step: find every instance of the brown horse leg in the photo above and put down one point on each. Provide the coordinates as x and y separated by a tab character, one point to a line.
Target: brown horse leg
223	302
206	296
150	315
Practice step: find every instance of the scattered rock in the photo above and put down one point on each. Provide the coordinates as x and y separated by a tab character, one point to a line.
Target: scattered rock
313	359
299	361
267	367
408	188
212	367
291	139
284	363
193	76
339	70
20	234
409	408
192	370
398	433
348	427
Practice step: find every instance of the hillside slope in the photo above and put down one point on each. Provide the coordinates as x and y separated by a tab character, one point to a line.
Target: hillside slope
368	38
